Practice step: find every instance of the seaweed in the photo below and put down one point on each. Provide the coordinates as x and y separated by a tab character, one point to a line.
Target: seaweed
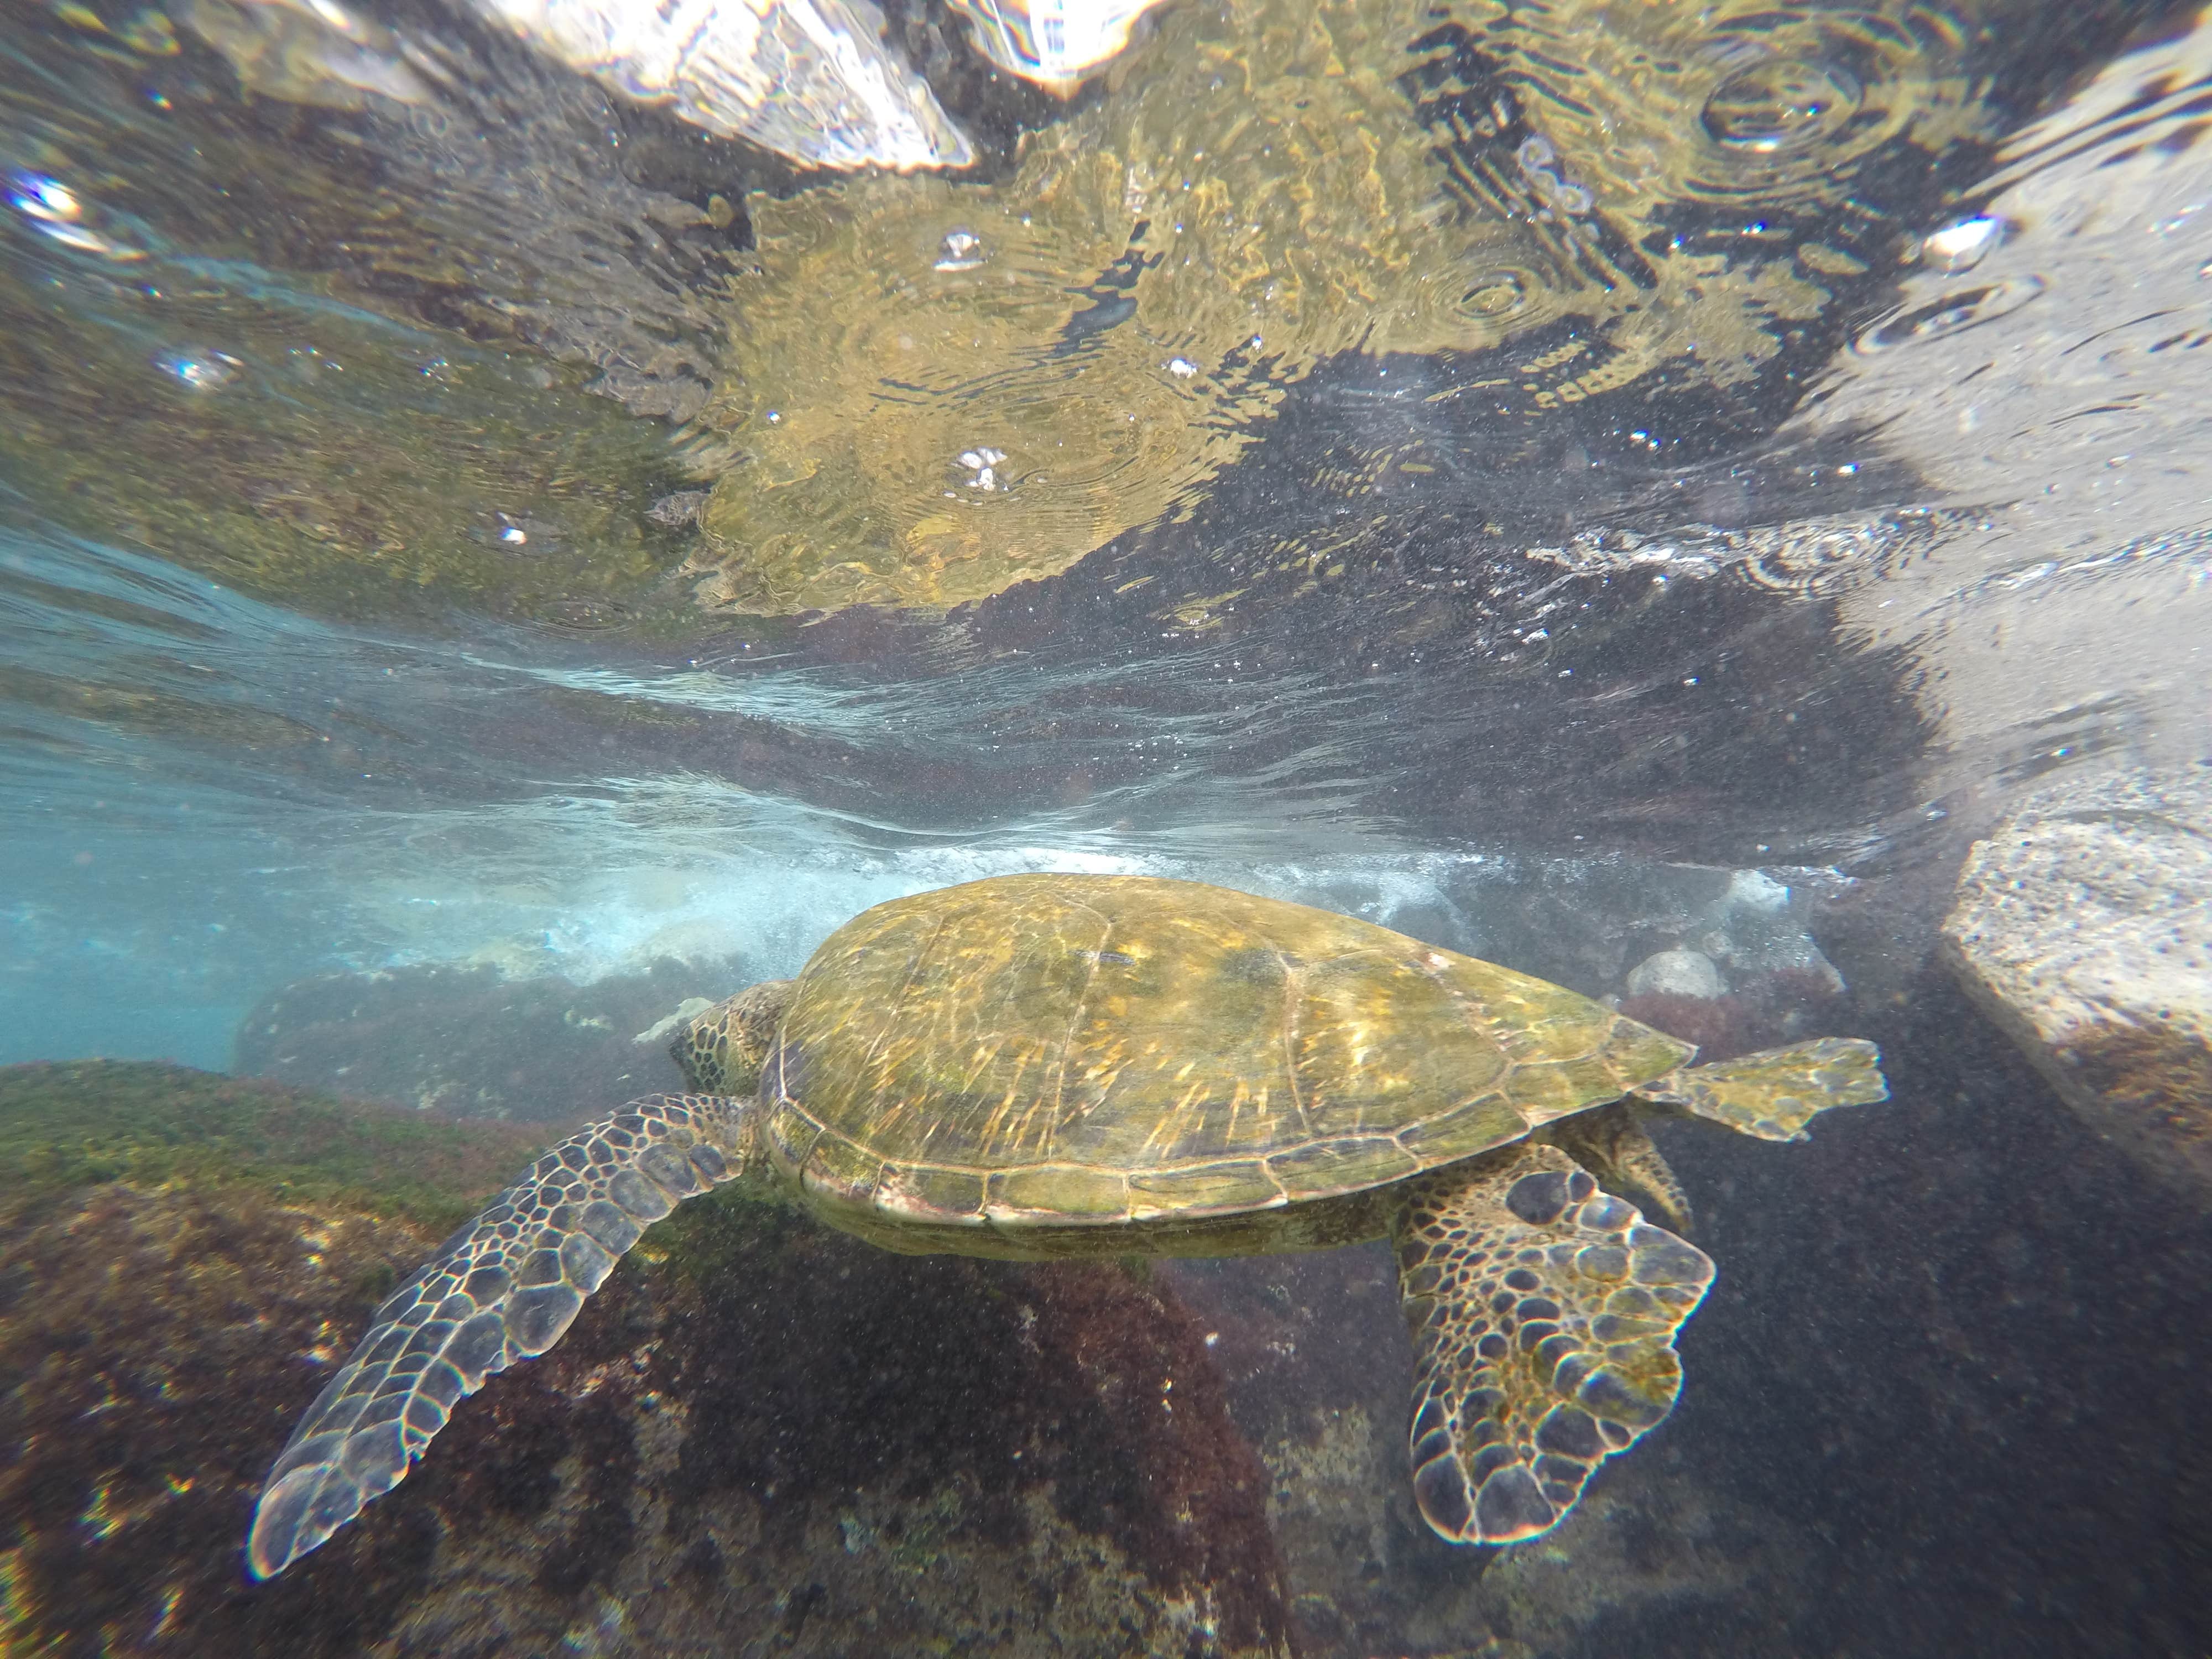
69	1125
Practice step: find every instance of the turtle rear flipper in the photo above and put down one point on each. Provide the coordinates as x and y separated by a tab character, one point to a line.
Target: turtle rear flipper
1776	1092
1543	1313
504	1288
1619	1152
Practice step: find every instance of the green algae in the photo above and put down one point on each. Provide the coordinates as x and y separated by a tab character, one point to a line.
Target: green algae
71	1125
68	1126
719	1239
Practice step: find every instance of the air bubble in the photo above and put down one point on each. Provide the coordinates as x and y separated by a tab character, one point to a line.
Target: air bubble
1535	159
1782	106
203	371
1963	245
961	250
983	465
1951	313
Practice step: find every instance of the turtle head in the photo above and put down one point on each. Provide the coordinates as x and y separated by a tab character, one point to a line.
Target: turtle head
723	1050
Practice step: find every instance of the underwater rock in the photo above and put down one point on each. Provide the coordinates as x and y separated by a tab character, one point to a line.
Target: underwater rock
1298	1333
760	1435
176	1247
2084	926
1763	1011
1312	1350
1592	924
471	1043
1972	1370
1677	974
1664	1550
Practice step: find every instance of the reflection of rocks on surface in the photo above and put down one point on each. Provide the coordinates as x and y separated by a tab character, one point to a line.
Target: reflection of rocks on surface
431	291
760	1434
2084	925
1053	44
1268	187
471	1043
808	79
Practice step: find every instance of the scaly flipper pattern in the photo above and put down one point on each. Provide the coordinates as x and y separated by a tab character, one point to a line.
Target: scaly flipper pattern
1776	1092
722	1051
1619	1152
504	1288
1543	1314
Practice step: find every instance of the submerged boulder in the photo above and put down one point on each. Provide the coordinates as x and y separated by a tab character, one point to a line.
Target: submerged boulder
761	1433
2084	926
1676	972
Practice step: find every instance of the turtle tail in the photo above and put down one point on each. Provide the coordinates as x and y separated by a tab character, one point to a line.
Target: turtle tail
503	1289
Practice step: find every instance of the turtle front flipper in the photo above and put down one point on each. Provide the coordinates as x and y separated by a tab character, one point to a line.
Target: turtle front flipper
1776	1092
1543	1314
504	1288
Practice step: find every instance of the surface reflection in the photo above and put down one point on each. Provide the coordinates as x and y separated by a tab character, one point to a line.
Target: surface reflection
1705	506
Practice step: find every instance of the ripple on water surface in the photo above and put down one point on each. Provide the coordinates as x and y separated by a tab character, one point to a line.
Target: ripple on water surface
1271	185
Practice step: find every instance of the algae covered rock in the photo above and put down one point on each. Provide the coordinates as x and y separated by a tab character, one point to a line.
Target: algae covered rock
2084	926
176	1247
760	1434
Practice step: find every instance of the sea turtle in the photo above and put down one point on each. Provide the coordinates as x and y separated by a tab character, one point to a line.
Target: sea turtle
1046	1065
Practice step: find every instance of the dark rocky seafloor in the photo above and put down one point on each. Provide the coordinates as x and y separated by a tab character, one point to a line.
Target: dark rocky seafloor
758	1437
1947	1396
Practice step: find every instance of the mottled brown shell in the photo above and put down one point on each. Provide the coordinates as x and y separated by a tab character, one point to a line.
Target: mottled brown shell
1048	1050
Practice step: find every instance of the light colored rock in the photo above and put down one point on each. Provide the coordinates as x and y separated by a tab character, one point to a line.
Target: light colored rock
1677	973
2084	925
1756	892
